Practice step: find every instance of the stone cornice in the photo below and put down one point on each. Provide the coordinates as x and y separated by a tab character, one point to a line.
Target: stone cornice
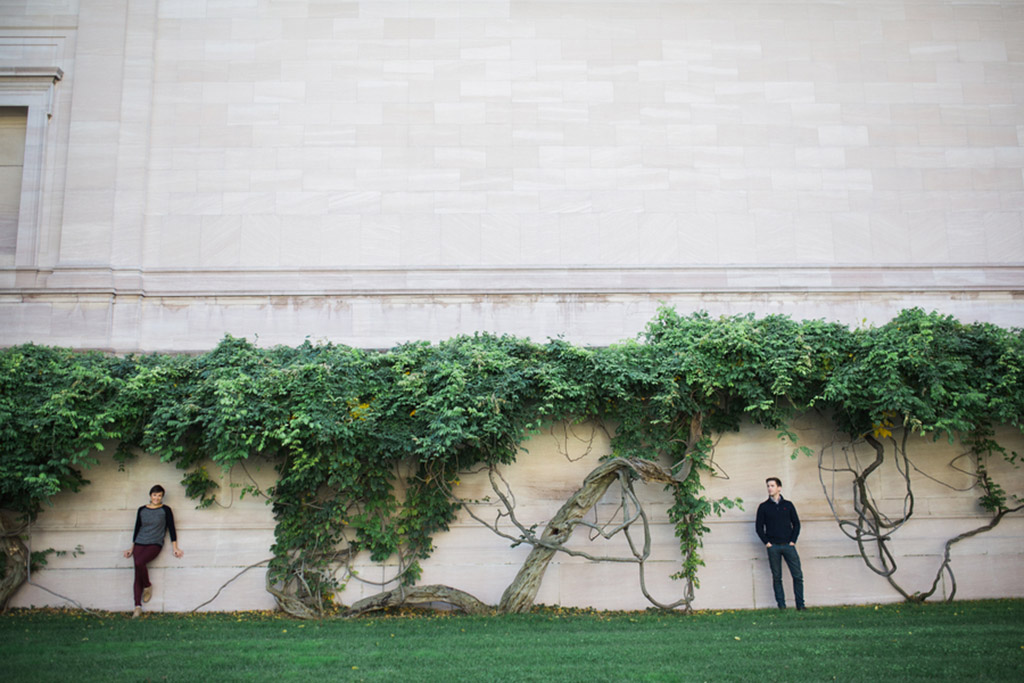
50	73
497	280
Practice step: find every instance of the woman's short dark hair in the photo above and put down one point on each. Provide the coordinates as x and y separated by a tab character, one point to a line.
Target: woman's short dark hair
156	489
778	482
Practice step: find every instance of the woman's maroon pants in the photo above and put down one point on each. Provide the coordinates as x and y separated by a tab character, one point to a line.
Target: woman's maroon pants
143	555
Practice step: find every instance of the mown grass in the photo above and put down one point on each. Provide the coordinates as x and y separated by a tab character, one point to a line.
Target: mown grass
981	640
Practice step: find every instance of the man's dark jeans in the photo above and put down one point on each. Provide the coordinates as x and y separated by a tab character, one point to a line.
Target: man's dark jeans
776	554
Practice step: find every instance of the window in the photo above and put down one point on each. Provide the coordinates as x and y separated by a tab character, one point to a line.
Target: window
13	121
26	100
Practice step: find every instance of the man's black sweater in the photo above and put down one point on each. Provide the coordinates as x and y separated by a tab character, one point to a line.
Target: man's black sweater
777	523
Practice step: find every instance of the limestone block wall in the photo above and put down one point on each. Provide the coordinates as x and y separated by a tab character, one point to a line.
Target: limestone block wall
221	541
375	171
218	542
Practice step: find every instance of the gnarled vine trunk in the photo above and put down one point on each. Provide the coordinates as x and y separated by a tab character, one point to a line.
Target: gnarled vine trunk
520	594
872	530
15	558
418	595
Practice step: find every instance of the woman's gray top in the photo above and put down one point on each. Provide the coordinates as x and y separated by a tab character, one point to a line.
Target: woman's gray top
152	524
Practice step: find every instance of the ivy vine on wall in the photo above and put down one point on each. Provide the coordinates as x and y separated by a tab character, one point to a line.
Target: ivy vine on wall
368	446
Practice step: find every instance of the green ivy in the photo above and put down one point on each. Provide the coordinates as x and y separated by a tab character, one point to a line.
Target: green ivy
57	408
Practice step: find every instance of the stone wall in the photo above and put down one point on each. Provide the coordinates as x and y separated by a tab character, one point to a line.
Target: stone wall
377	171
223	540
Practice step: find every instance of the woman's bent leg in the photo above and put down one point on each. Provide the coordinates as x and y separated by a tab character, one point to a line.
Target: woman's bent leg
143	555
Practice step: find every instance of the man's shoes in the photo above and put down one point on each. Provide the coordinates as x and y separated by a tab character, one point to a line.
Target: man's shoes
147	593
801	608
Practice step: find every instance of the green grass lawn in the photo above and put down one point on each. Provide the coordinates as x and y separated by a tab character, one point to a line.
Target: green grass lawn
938	642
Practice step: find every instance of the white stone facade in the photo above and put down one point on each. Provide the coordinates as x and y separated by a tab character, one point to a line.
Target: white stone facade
371	172
377	171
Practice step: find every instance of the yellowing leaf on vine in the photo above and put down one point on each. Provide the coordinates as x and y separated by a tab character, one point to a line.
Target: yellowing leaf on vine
357	411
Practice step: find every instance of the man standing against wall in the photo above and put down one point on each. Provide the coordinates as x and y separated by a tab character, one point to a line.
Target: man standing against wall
778	527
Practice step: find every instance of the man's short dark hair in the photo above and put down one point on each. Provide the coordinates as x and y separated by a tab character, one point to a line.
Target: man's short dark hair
156	489
778	482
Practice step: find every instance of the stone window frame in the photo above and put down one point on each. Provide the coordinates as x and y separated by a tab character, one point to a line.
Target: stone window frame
31	88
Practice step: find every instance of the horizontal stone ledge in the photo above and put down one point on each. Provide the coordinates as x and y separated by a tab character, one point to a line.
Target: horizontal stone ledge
525	280
52	72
